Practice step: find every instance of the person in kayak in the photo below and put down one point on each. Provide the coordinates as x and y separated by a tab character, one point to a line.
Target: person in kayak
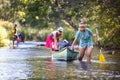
84	35
53	39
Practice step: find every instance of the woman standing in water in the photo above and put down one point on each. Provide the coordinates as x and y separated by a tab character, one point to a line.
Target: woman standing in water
53	39
85	42
14	36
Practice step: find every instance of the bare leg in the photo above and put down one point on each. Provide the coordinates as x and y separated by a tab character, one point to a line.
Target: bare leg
13	44
50	52
82	52
17	43
89	51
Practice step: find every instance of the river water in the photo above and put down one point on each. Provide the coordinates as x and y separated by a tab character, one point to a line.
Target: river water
31	62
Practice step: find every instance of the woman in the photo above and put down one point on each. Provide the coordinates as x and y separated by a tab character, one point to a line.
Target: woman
85	41
53	39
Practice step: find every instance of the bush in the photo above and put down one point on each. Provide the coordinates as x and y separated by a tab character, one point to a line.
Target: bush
3	37
68	34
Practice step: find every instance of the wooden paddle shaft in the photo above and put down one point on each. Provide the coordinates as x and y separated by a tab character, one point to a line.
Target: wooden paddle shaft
97	34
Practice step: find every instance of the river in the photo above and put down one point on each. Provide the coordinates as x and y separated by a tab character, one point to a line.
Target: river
31	62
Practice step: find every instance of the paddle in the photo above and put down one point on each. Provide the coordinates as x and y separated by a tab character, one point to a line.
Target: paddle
101	57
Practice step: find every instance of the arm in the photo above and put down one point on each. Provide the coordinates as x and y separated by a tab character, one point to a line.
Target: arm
91	33
55	40
74	42
60	38
94	35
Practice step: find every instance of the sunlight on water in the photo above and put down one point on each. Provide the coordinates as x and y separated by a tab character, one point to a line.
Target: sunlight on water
36	64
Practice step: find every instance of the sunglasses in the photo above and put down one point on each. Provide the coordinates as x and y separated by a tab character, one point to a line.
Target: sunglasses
82	26
60	31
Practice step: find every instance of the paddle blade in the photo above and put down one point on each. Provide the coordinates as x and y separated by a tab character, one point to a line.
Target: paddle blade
101	58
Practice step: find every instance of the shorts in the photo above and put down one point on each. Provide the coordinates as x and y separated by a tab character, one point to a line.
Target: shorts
86	46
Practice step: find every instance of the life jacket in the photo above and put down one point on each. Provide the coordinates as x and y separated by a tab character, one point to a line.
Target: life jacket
13	30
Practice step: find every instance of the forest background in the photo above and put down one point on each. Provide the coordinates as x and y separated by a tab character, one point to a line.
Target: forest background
37	18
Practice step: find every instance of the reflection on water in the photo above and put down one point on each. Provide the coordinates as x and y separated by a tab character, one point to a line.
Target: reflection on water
84	66
36	64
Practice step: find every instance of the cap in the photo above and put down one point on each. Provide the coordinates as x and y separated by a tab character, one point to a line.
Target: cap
60	29
82	25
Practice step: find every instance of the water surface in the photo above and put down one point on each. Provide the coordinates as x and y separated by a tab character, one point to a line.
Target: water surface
30	62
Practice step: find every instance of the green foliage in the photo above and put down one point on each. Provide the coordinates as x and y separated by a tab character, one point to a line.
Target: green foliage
4	41
42	33
35	33
104	14
68	34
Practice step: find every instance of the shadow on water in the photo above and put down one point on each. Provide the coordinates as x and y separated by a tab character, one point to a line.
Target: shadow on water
35	63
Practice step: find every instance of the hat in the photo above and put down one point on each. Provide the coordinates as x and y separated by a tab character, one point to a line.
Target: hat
81	23
60	29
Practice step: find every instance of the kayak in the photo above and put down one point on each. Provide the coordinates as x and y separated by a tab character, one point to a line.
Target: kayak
65	55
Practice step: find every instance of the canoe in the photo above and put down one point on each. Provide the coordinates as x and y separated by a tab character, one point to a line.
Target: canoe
65	55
